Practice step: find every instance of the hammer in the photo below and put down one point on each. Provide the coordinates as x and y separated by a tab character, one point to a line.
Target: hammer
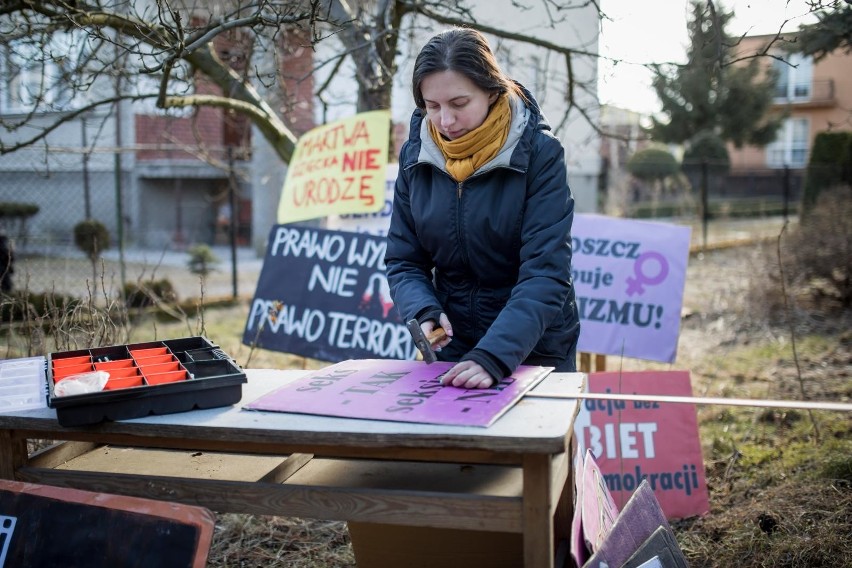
423	342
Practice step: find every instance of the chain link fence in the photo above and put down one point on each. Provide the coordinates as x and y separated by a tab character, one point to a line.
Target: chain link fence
694	190
154	219
158	209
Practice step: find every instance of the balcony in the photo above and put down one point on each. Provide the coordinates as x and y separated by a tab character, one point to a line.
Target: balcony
806	95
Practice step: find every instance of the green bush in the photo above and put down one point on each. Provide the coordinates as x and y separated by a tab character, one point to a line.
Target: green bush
706	150
830	165
202	260
709	148
14	210
652	164
147	293
91	237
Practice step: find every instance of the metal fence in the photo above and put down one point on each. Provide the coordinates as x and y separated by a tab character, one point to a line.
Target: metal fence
153	220
160	212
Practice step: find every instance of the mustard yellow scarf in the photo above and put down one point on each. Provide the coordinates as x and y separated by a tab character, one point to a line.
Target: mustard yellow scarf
476	148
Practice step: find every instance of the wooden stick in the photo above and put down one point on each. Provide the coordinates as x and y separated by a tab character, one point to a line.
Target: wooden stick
799	404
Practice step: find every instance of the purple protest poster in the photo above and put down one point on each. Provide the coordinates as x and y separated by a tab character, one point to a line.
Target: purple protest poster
629	277
404	391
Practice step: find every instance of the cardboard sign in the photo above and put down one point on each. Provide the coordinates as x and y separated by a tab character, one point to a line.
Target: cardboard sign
375	223
639	519
324	294
599	531
338	168
598	510
629	278
661	549
402	391
653	441
51	526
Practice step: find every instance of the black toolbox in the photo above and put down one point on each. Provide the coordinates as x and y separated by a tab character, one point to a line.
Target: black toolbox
156	377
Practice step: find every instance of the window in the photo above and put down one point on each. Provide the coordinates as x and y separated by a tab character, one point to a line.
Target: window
790	147
43	77
795	76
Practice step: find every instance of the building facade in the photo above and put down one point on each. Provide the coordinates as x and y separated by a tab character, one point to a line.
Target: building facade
814	96
165	180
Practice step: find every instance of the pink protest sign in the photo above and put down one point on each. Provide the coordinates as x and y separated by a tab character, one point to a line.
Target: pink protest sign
598	509
629	277
404	391
633	440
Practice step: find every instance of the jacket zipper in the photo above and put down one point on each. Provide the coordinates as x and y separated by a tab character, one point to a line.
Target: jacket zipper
475	290
459	230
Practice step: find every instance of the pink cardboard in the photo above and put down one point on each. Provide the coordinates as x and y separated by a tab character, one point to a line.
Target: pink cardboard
396	390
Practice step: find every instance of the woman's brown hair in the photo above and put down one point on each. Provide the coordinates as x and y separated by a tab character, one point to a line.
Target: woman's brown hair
465	51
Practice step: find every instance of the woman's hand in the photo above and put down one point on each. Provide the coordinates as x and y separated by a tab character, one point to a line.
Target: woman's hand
429	326
468	375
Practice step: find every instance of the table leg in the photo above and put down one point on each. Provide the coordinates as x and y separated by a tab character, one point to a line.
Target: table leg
538	522
13	454
564	514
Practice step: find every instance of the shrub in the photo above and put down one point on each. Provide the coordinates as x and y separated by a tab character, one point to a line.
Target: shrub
822	248
14	210
91	237
830	165
202	260
652	164
147	293
707	147
817	262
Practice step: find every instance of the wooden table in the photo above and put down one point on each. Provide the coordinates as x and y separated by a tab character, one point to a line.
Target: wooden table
514	476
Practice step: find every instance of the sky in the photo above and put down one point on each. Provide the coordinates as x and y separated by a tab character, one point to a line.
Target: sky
644	31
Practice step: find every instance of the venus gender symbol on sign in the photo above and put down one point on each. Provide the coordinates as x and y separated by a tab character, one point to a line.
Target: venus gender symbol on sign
636	283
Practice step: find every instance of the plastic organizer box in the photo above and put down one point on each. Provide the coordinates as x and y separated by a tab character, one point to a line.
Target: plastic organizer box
22	384
158	377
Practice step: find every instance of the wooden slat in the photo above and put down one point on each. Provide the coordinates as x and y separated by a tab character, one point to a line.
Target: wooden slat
538	522
560	473
585	362
13	454
279	449
60	453
287	468
447	510
564	513
413	477
175	463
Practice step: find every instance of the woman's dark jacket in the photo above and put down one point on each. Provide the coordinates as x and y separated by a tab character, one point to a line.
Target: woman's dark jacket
499	244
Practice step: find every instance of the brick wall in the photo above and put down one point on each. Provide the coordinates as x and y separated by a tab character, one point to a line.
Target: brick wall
209	129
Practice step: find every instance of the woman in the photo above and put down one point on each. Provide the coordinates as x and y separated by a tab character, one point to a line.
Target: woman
480	237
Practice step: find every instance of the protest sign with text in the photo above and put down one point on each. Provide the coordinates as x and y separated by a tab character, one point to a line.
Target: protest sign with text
629	278
636	440
323	294
403	391
338	168
375	223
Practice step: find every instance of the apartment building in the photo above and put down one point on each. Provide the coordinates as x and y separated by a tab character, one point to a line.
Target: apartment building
815	96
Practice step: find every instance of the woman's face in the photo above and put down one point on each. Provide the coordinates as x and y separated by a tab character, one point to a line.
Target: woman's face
454	104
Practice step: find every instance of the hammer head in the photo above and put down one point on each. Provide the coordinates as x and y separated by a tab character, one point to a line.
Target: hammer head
423	343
